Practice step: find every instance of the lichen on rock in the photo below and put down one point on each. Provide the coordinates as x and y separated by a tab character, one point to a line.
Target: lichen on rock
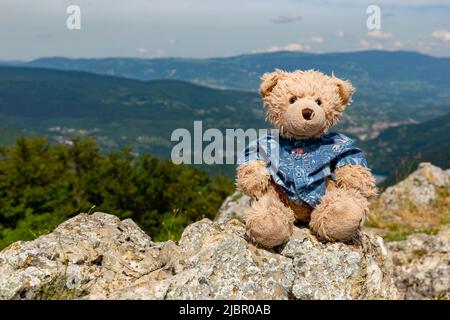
422	265
100	257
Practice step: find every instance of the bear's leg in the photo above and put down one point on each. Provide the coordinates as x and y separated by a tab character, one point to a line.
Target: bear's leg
268	221
339	214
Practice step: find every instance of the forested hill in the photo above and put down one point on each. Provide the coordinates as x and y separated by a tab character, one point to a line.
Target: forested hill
118	111
401	148
393	87
123	112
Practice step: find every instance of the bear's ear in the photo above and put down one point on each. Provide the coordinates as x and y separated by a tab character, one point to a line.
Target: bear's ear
345	89
269	81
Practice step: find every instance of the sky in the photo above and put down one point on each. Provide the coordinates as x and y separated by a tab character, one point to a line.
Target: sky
31	29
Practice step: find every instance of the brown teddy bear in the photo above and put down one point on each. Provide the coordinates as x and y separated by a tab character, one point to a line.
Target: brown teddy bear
304	173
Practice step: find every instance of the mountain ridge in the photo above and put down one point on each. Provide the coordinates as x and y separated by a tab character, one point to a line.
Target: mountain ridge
121	112
62	103
239	70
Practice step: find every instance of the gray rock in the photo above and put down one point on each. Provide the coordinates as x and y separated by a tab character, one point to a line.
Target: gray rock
100	257
422	265
87	253
419	188
233	207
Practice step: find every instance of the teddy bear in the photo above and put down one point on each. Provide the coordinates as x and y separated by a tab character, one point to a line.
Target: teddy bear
304	172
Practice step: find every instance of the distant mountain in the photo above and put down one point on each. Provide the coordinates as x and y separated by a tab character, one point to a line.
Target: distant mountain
243	72
405	146
119	112
125	112
12	62
392	87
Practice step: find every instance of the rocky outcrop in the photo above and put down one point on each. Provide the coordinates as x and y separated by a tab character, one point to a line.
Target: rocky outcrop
233	207
422	265
420	188
100	257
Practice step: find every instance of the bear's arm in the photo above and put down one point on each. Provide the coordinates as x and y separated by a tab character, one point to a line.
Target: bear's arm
253	178
353	176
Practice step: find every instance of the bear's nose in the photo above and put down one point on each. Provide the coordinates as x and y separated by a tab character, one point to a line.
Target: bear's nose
307	113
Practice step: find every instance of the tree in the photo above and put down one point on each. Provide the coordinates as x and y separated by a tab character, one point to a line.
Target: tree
41	185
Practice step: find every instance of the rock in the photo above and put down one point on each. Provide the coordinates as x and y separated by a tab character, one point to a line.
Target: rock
419	188
88	253
233	207
422	265
100	257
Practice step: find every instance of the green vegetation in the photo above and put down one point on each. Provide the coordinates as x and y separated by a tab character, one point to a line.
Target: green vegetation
408	219
41	185
398	151
118	112
7	134
57	288
122	112
46	181
392	86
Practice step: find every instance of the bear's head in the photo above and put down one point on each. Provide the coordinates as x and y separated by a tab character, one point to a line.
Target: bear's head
304	104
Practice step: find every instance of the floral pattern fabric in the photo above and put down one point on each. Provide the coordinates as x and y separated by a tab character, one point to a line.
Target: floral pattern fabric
300	167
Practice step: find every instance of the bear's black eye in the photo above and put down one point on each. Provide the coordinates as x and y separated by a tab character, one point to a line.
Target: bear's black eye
292	100
318	102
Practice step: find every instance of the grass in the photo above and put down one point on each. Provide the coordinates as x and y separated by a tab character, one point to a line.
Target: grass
408	219
57	288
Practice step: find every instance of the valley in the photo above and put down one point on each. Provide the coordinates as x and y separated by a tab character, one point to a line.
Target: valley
135	102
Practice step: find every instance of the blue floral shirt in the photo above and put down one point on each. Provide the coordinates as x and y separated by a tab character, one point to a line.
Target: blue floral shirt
302	166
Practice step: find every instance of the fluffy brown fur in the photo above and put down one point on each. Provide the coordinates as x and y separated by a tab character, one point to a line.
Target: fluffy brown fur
344	206
340	213
356	177
269	220
253	178
277	88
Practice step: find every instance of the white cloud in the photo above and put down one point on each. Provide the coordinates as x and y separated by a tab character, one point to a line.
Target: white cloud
364	43
443	35
294	46
173	42
378	34
300	45
286	19
317	39
159	53
201	26
339	34
398	44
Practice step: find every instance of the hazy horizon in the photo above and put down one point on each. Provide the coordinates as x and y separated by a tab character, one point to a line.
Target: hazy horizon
212	28
220	57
